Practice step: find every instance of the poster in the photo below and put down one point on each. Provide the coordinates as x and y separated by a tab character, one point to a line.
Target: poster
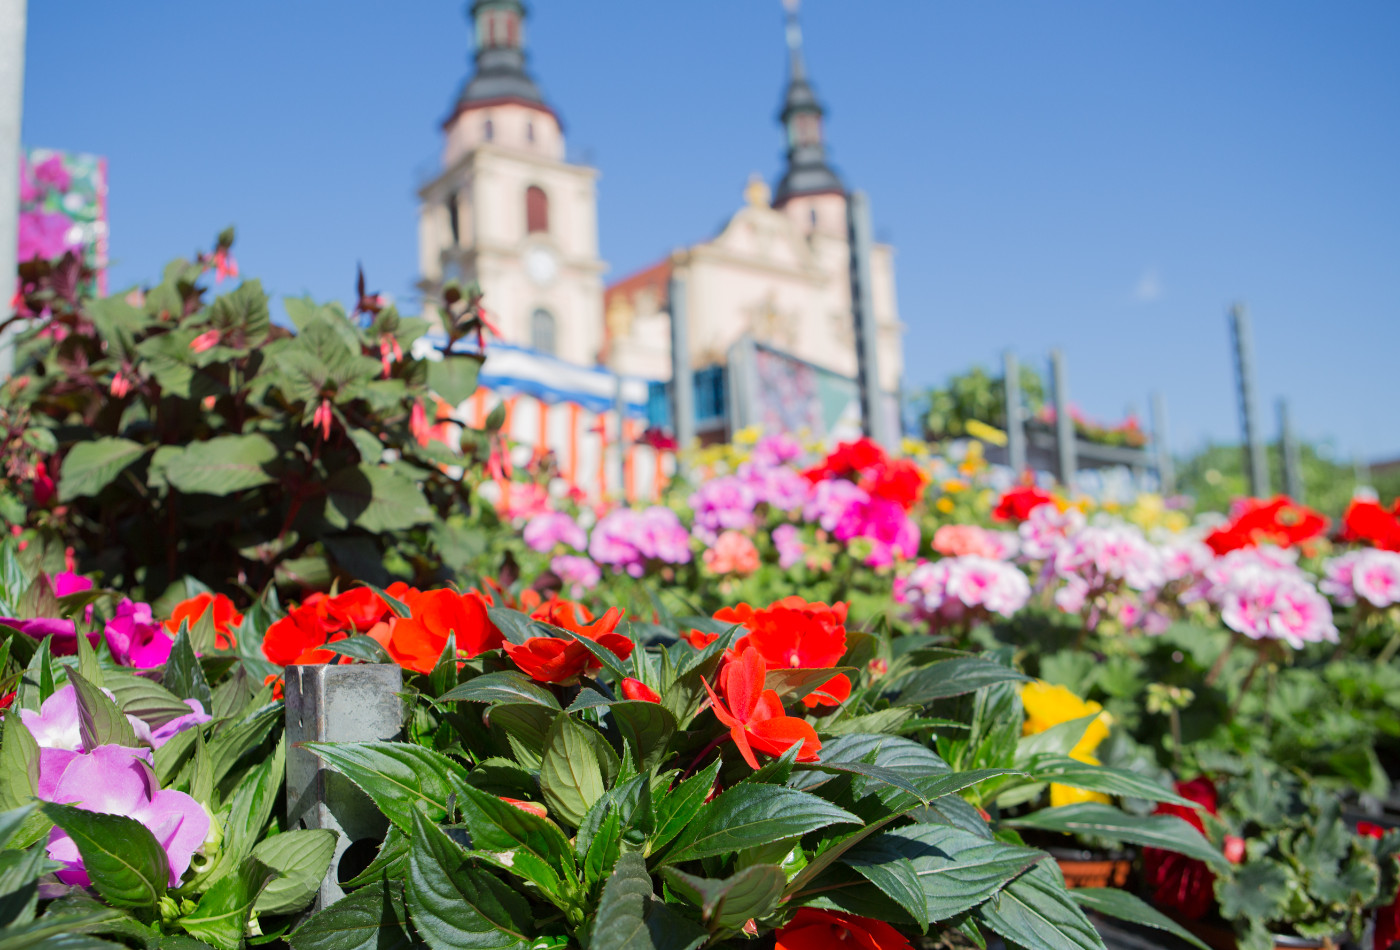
63	206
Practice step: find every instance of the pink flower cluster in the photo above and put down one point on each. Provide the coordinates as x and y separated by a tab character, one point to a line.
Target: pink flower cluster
850	512
1370	576
547	530
964	588
1099	560
577	573
1046	529
722	504
954	540
627	539
1262	594
788	540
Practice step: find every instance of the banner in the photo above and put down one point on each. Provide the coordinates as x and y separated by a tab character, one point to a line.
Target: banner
63	206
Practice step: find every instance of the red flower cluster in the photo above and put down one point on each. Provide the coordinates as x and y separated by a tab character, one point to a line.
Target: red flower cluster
812	929
866	463
1369	522
191	611
563	660
301	636
1179	883
1254	521
795	634
416	642
1018	503
1387	918
755	715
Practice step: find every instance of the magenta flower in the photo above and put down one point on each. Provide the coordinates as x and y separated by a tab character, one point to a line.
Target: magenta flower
117	781
43	234
51	172
55	725
577	572
721	504
772	451
629	540
778	486
136	638
551	528
29	193
968	587
1370	575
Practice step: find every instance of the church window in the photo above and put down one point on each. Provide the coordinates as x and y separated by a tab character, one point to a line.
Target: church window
453	219
536	210
807	128
542	331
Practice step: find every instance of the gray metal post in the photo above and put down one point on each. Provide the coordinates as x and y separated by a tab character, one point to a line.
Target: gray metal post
1288	448
741	379
1256	458
872	408
1065	448
13	14
1161	444
682	372
1015	423
360	702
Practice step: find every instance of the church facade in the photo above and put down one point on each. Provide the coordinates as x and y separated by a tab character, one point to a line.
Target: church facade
510	213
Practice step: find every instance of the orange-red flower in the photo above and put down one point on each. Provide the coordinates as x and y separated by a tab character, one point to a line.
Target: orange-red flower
534	808
561	660
899	481
795	634
1368	521
299	637
1280	521
191	611
755	715
417	641
699	638
812	929
636	689
848	459
1018	503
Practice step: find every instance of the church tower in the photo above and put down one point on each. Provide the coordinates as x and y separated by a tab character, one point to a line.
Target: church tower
809	191
508	211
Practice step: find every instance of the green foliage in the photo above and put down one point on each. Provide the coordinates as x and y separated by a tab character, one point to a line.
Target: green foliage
1216	474
189	435
976	395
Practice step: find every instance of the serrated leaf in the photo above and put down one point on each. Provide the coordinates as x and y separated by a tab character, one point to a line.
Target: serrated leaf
372	918
748	815
376	498
397	776
100	722
1112	902
752	893
91	466
577	768
507	686
1099	778
221	916
676	809
629	918
300	859
183	676
1104	821
955	677
222	465
127	865
1036	912
145	699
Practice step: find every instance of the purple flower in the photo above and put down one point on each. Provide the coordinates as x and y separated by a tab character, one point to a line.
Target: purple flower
43	234
829	500
772	451
958	588
136	638
117	781
777	486
627	540
577	572
56	726
196	717
51	172
551	528
788	541
722	504
29	193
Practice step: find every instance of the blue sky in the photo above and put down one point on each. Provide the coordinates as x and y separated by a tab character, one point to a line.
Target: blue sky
1102	176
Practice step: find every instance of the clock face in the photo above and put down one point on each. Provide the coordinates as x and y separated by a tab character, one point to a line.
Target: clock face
541	266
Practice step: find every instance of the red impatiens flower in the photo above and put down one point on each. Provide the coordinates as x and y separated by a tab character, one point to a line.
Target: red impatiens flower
299	637
1018	503
636	689
1182	884
848	459
699	638
813	929
755	715
1254	521
561	660
795	634
1369	522
191	611
416	642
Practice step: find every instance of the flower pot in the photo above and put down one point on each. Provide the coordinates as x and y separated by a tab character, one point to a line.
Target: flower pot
1219	935
1083	868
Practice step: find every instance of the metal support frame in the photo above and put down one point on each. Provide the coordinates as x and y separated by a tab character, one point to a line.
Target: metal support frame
13	16
682	372
360	702
1288	449
1256	457
1015	420
872	410
1161	445
741	374
1066	449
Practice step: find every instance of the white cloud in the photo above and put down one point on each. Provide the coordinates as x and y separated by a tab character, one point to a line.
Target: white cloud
1149	287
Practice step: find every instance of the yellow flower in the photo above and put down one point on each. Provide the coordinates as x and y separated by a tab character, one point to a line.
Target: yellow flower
954	485
1048	705
1069	795
748	436
913	447
944	505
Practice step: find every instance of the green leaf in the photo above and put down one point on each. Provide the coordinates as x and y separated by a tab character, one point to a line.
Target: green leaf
372	918
13	820
1104	821
883	721
300	859
148	701
882	862
1112	902
1257	890
100	722
375	498
507	686
362	648
747	815
250	811
753	892
221	916
679	806
91	466
220	466
1036	912
964	674
646	728
1059	739
233	742
127	865
1099	778
577	768
183	676
455	906
19	884
454	378
37	683
793	684
19	766
514	625
500	826
628	917
66	928
397	775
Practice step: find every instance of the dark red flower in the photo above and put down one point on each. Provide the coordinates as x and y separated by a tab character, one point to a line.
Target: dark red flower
1182	884
1387	918
1018	503
813	929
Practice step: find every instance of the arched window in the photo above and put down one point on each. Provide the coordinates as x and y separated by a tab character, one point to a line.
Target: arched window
542	331
536	210
529	131
454	220
488	130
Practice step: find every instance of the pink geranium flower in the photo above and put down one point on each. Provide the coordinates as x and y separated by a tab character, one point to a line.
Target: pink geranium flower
732	553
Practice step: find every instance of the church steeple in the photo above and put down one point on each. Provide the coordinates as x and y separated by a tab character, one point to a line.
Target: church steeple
807	172
500	58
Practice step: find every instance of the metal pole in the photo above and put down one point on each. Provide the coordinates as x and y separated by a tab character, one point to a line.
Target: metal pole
682	372
1015	423
872	409
620	411
13	15
1161	442
1288	448
1065	447
1256	458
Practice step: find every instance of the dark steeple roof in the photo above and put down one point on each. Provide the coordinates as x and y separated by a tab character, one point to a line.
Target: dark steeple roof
500	57
807	172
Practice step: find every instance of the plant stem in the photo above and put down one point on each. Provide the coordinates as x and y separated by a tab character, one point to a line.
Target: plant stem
1244	686
1219	666
714	744
1390	649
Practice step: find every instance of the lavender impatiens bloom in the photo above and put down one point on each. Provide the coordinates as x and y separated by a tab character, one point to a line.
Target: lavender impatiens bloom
551	528
160	735
56	725
117	781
